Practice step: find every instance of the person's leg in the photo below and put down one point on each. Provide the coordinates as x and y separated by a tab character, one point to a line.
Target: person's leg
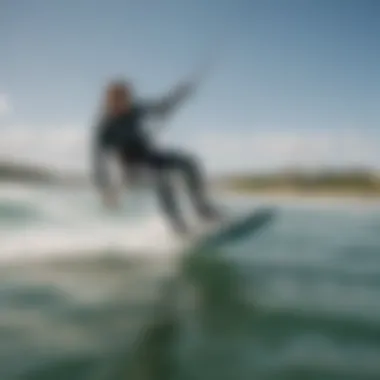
191	170
135	163
132	173
132	167
168	201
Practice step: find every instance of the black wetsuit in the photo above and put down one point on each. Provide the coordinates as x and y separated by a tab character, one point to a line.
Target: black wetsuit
125	136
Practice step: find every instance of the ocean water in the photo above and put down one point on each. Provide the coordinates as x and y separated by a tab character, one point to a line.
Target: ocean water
89	294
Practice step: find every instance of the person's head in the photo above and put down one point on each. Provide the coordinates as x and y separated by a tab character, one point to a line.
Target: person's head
118	97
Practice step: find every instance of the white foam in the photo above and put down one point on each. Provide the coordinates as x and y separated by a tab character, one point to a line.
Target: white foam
150	237
75	225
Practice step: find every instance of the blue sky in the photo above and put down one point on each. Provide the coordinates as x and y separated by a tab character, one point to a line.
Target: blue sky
294	80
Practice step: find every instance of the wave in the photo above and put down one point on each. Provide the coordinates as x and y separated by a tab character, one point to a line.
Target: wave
57	223
149	236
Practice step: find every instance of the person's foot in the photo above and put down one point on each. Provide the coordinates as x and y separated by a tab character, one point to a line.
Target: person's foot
180	227
211	213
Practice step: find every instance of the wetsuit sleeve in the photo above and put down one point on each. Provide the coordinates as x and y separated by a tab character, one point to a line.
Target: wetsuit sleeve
100	173
169	103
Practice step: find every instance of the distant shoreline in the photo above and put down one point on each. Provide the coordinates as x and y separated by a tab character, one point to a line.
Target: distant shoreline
357	184
360	185
313	193
291	193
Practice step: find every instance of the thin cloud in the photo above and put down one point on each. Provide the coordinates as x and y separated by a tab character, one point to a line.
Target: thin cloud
69	148
229	151
64	147
5	105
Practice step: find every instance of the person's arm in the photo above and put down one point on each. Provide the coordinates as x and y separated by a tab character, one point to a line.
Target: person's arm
101	175
99	168
170	102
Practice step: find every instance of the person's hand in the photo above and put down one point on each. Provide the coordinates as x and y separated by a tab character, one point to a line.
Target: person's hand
110	199
185	88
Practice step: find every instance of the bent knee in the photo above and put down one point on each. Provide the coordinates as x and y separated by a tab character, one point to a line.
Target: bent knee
187	160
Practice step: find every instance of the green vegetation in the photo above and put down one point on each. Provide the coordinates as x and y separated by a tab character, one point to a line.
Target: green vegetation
23	173
352	182
10	171
339	182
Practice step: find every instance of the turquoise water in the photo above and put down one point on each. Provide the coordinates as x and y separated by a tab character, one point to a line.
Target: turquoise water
299	300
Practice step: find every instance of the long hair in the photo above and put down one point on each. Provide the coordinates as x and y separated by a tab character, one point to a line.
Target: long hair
117	97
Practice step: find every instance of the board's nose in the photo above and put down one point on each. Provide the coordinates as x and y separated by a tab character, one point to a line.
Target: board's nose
239	228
